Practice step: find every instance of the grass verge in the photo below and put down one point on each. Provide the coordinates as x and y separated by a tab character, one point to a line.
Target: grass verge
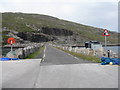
82	56
38	52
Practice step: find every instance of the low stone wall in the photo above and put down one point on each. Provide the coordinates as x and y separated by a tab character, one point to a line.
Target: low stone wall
24	52
87	51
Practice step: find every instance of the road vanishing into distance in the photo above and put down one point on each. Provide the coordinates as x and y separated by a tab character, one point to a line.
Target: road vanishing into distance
54	56
58	70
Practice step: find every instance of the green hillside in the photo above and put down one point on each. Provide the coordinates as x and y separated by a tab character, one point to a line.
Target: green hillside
22	22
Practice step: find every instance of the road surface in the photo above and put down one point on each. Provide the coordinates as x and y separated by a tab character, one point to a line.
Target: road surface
20	74
59	70
54	56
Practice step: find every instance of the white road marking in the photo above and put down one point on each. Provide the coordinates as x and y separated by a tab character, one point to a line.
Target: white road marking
44	54
73	56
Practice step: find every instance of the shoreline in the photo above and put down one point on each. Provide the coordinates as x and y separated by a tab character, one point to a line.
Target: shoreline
102	46
110	45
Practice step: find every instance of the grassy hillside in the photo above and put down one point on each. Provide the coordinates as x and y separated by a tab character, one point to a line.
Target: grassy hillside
20	21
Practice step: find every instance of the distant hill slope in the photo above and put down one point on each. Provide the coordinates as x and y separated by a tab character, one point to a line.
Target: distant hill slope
53	27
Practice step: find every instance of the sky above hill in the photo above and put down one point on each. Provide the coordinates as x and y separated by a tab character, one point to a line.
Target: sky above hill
97	13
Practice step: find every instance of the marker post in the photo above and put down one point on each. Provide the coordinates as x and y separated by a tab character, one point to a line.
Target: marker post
105	34
11	45
11	48
105	43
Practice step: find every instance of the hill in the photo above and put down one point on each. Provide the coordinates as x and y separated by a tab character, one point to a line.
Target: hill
37	28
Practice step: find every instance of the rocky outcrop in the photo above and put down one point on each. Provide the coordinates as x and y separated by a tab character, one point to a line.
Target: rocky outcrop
45	34
35	37
56	31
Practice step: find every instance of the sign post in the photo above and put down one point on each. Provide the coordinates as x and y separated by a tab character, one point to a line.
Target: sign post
11	46
105	34
105	43
11	41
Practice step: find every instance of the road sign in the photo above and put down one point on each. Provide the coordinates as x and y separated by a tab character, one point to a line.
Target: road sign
105	33
11	40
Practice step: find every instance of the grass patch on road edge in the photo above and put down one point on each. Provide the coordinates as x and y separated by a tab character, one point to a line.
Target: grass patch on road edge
36	53
82	56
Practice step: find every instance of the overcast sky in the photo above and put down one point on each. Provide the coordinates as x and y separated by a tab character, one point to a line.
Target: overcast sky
97	13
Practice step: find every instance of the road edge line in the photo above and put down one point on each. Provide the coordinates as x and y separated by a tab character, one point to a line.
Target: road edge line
44	54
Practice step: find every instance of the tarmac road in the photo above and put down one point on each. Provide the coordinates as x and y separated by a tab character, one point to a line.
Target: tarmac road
59	70
54	56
